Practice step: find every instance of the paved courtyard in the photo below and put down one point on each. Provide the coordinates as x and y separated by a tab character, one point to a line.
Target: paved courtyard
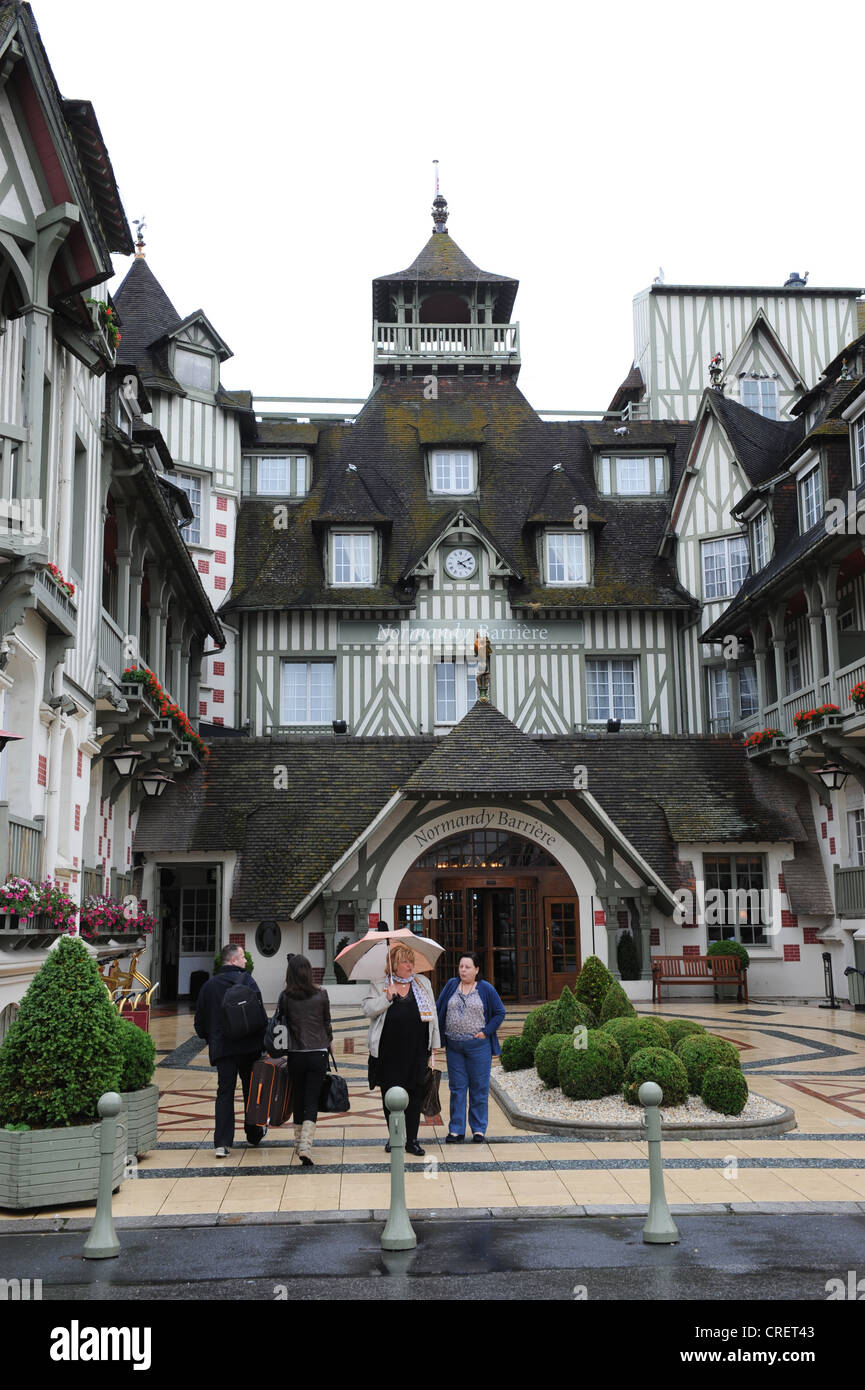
804	1057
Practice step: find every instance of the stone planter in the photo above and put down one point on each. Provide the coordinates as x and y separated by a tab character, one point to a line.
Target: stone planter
140	1111
773	745
52	1167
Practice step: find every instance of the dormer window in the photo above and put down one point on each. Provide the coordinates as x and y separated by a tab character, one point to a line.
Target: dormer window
452	471
351	557
810	499
725	566
761	395
194	369
859	451
631	475
283	475
760	541
565	557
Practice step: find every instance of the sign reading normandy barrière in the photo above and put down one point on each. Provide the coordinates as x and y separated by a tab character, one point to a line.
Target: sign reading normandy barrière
446	632
486	818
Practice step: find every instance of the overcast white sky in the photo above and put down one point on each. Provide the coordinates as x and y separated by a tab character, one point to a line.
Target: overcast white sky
283	159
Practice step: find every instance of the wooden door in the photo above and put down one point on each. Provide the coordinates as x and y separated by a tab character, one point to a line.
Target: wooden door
562	941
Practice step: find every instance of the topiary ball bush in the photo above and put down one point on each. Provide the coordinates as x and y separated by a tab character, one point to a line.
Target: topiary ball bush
729	948
547	1056
63	1051
616	1004
701	1051
725	1089
138	1054
656	1064
517	1054
593	1071
679	1028
543	1019
569	1011
593	982
633	1033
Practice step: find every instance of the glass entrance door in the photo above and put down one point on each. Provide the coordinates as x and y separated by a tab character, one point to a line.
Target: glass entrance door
499	923
562	932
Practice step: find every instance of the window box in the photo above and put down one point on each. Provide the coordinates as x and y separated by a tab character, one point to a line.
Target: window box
763	741
807	719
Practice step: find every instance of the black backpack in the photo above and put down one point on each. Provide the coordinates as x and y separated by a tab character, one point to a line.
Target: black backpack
243	1013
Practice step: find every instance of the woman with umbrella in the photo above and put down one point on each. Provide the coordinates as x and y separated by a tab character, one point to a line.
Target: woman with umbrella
404	1029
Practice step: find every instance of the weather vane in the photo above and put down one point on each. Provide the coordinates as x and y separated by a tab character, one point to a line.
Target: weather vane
139	224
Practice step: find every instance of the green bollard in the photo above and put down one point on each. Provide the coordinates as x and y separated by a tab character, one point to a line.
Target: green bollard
102	1242
660	1228
398	1233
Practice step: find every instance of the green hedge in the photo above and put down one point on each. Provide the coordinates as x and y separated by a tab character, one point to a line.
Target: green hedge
656	1064
634	1033
547	1056
517	1054
138	1051
571	1013
679	1028
701	1051
729	948
616	1004
543	1019
592	984
593	1071
725	1089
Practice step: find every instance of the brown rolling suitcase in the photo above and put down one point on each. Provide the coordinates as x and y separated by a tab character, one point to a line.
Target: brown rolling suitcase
269	1101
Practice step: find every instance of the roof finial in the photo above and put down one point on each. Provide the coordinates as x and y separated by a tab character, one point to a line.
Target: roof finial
139	223
439	207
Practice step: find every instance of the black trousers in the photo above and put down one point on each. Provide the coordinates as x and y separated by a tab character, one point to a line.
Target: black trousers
228	1069
307	1071
412	1112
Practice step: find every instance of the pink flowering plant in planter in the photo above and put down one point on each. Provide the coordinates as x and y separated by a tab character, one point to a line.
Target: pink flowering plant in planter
56	903
102	916
19	898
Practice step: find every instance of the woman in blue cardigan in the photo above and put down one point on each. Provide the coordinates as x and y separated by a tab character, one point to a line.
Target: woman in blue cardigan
470	1013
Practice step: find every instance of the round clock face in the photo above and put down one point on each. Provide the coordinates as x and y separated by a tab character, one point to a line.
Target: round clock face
460	564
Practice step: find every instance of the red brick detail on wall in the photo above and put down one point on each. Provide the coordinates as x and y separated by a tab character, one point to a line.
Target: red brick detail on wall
99	851
345	921
219	581
217	719
204	567
690	950
79	772
788	919
219	557
624	919
318	973
810	935
237	938
108	850
77	817
654	936
110	811
219	668
202	707
219	697
831	844
782	887
102	806
824	829
221	530
129	821
128	856
791	953
600	917
830	814
75	861
42	771
315	941
222	504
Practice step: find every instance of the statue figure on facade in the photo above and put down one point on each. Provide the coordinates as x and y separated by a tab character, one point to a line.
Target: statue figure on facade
483	652
716	371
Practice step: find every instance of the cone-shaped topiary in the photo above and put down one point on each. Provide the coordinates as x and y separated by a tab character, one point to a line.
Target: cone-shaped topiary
626	956
679	1028
547	1056
592	984
571	1013
63	1050
593	1071
543	1019
725	1089
656	1064
616	1004
699	1052
517	1054
633	1033
138	1053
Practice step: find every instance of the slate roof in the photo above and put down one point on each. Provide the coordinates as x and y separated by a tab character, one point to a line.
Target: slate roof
146	315
443	262
759	444
658	790
518	490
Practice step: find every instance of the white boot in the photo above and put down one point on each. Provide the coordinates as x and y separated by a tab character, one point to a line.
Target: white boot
304	1148
297	1133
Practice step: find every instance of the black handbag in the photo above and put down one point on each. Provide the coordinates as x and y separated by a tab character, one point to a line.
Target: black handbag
431	1105
333	1097
270	1036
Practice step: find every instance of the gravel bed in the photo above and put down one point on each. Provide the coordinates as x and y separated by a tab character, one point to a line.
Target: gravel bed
530	1095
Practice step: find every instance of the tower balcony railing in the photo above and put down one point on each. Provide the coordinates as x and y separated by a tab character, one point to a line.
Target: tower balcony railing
429	342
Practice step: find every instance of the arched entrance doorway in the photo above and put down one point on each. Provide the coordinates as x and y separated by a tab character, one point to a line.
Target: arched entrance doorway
500	895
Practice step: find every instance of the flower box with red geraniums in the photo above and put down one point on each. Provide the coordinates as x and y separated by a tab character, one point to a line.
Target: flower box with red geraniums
65	585
101	916
857	693
814	716
141	675
763	738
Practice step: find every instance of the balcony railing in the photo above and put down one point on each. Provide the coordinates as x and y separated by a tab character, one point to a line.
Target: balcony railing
25	849
480	342
111	655
849	892
846	679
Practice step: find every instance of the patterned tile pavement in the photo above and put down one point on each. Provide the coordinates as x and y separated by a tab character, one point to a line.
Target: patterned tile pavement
810	1059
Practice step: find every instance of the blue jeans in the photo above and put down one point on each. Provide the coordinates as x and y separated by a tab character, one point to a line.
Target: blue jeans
469	1061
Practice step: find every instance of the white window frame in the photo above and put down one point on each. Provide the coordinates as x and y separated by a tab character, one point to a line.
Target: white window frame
612	471
793	665
460	677
314	685
765	390
749	933
193	485
352	539
858	451
199	354
449	462
731	586
295	472
615	667
810	489
856	837
571	560
753	691
760	541
720	714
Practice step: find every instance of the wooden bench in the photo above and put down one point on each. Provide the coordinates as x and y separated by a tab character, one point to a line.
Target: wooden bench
696	970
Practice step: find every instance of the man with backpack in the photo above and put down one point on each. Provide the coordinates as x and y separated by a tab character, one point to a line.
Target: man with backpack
231	1017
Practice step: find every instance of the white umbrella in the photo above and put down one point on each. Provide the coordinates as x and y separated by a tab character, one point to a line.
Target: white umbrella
367	959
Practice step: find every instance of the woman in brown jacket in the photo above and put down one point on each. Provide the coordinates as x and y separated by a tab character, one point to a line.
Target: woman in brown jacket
304	1034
